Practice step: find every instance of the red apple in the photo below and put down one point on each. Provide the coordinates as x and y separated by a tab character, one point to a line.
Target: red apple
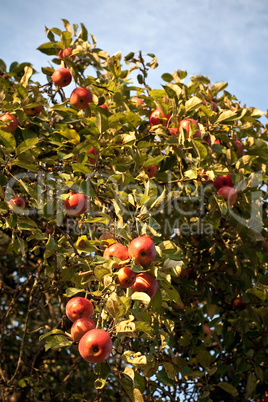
95	346
207	330
33	111
64	53
239	303
239	148
185	124
223	180
79	307
173	131
76	204
150	170
80	327
158	117
62	77
116	250
229	194
12	122
143	250
16	204
265	245
145	282
93	159
126	277
81	97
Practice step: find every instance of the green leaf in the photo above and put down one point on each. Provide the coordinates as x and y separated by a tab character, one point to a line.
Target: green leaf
101	271
171	291
157	93
228	388
70	292
47	48
8	139
192	104
167	77
251	384
227	117
201	149
52	332
26	145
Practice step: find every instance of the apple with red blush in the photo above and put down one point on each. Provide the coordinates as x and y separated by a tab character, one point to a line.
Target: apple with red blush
145	282
62	77
158	117
80	327
95	346
16	204
11	122
229	194
126	277
223	180
142	250
79	307
150	170
81	97
116	250
76	203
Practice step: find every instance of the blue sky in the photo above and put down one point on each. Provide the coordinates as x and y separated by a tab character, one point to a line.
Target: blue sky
226	40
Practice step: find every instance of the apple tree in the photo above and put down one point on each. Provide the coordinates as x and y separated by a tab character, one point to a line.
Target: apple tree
147	210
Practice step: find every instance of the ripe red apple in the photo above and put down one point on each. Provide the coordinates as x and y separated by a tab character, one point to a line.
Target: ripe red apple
143	250
207	330
265	245
126	277
145	282
223	180
95	346
64	53
93	159
16	204
150	170
173	131
158	117
33	111
62	77
239	303
12	122
185	124
229	194
80	327
76	204
81	97
239	148
79	307
116	250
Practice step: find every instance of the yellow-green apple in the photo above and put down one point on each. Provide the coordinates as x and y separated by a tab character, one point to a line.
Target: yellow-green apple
79	307
223	180
229	194
150	170
145	282
185	124
126	277
76	204
81	97
116	250
142	250
11	120
239	303
94	154
62	77
33	111
158	117
95	346
80	327
239	147
16	204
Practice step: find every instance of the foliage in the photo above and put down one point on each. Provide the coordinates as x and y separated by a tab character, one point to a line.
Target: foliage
208	254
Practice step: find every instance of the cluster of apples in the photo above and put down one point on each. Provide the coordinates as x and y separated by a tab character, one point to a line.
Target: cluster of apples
94	344
225	187
142	250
